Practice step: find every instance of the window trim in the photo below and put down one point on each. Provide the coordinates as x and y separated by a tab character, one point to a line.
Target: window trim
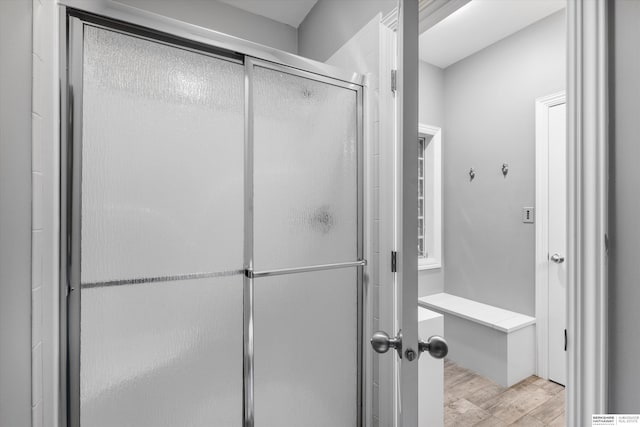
434	259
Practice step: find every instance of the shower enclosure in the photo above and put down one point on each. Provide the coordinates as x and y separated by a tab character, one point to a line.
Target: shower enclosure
213	265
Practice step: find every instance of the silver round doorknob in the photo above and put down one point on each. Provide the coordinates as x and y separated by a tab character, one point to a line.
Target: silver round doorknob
436	346
557	258
381	342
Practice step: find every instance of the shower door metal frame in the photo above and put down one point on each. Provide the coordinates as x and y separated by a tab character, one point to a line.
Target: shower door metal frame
251	274
72	22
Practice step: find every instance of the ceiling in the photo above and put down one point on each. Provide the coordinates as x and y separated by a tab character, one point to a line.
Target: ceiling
479	24
290	12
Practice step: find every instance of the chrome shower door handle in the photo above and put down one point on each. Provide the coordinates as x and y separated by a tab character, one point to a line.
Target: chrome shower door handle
435	345
557	258
381	342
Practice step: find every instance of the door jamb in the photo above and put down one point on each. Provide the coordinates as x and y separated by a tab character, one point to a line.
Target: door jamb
587	209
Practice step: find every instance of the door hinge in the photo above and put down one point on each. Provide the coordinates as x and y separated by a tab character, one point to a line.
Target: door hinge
565	340
394	80
394	261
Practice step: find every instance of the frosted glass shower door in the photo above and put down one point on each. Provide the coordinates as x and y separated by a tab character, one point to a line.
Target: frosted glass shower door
192	244
306	223
305	171
161	235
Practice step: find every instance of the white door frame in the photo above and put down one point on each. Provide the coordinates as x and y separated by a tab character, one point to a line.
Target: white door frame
543	105
587	196
387	387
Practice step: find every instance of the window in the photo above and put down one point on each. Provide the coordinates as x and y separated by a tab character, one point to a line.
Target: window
429	198
422	250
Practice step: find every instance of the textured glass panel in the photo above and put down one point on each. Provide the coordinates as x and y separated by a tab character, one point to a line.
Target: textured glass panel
162	354
162	172
305	191
306	349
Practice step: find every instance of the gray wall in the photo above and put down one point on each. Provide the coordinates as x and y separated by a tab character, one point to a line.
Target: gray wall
431	89
624	268
490	120
331	23
15	213
226	19
431	112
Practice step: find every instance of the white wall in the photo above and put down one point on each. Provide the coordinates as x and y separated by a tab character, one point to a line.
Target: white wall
15	213
431	112
431	89
488	120
624	268
331	23
226	19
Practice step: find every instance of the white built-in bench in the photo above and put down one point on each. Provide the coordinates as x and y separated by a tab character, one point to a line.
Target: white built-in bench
496	343
430	372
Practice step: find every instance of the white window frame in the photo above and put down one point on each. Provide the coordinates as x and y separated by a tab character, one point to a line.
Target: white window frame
434	258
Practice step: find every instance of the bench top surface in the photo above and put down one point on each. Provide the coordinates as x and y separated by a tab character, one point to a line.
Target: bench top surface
425	314
493	317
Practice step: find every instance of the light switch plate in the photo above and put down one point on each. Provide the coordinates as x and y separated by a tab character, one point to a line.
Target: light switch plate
528	215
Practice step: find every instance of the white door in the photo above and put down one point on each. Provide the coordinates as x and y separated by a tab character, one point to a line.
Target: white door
399	339
557	242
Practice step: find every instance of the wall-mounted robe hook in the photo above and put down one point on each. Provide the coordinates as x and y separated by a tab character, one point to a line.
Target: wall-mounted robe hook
472	174
505	169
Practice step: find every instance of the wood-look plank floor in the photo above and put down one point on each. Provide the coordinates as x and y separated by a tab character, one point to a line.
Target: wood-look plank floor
472	400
